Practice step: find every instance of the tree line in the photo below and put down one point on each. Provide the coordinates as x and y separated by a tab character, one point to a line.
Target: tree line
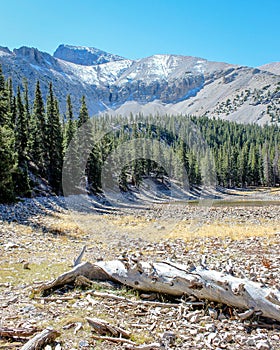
35	137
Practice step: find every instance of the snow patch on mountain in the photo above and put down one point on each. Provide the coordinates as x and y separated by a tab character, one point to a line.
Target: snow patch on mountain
106	73
160	84
86	56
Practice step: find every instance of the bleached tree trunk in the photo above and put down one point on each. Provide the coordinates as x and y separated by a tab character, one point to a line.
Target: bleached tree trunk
177	280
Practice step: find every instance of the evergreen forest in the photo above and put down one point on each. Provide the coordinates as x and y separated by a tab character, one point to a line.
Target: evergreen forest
36	140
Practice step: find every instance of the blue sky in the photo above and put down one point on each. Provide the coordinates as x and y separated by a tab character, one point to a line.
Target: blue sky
245	32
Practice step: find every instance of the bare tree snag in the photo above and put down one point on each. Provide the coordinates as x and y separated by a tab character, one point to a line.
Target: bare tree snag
177	280
48	335
78	260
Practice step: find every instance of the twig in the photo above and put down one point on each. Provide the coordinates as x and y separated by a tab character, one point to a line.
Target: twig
12	345
136	302
245	315
265	325
152	346
113	339
56	298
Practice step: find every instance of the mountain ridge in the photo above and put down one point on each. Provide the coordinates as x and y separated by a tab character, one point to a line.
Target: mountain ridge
161	83
84	55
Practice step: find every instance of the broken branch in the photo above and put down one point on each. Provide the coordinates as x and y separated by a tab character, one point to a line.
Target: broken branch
48	335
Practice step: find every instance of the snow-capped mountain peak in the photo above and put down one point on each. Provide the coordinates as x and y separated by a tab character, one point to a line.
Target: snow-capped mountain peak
160	83
83	55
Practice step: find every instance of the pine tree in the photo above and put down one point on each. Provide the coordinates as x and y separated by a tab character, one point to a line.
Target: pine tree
38	133
267	166
21	177
276	165
11	102
7	164
2	79
54	142
4	101
243	166
8	161
70	127
83	114
21	128
86	166
254	165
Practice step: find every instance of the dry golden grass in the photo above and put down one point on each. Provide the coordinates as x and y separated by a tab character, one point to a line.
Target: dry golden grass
100	225
254	191
235	231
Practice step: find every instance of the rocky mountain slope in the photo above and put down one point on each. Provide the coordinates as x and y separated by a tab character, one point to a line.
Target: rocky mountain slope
273	67
157	84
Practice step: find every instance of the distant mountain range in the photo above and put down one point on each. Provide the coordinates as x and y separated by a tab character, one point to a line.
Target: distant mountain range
161	84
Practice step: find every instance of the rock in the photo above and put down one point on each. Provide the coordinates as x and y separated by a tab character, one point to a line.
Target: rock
213	313
193	331
210	327
10	245
211	337
194	319
227	337
241	339
251	342
83	344
25	265
168	338
263	345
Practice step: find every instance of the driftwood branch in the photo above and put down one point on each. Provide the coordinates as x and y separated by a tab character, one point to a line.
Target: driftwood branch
46	336
103	327
17	332
177	280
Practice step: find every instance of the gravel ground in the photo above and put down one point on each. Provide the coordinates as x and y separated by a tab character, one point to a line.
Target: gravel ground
38	242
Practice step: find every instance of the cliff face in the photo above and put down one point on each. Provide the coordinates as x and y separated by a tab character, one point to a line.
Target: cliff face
160	83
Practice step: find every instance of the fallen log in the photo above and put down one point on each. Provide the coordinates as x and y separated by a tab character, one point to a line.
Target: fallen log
48	335
177	280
